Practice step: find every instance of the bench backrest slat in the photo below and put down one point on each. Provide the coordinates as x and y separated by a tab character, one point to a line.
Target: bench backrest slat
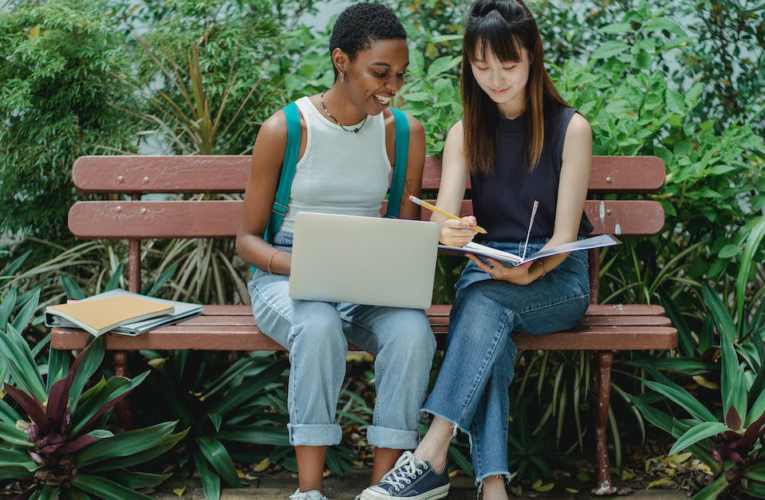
219	219
229	174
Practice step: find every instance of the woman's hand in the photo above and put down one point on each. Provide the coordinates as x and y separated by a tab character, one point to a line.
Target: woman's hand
457	233
518	275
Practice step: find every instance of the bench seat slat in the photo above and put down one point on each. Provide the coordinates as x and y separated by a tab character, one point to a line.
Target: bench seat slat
219	219
190	174
444	309
239	320
247	338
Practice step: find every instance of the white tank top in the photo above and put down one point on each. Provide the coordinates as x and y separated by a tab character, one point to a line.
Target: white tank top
340	172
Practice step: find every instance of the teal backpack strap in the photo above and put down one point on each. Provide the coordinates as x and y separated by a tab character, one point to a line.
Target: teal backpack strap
399	168
291	153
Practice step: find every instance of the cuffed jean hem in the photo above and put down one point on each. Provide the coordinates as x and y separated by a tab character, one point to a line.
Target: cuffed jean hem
479	480
315	434
455	426
396	439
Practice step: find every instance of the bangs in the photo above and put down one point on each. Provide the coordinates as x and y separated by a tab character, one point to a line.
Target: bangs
491	33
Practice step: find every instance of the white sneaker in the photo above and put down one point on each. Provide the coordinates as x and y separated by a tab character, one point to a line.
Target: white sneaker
307	495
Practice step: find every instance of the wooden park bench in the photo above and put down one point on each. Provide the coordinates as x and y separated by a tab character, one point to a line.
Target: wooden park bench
604	329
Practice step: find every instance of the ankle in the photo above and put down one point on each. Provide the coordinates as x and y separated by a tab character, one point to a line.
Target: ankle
493	488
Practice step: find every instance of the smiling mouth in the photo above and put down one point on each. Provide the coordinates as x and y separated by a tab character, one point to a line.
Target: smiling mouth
499	91
383	99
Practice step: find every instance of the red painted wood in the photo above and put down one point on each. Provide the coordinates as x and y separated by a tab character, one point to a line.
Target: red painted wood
248	338
442	310
219	219
229	174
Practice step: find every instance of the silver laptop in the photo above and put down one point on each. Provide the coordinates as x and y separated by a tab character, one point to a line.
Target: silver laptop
363	260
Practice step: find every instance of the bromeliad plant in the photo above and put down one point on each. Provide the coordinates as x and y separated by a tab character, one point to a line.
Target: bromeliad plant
729	440
60	448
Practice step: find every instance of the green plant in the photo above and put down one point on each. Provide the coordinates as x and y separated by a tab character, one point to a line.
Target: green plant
58	61
61	448
230	410
728	440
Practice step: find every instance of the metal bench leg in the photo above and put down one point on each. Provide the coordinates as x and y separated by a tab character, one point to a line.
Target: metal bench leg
122	409
601	395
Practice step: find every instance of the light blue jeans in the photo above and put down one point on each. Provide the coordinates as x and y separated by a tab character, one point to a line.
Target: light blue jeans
472	390
317	336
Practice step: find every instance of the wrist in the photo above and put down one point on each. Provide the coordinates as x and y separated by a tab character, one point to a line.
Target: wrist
541	269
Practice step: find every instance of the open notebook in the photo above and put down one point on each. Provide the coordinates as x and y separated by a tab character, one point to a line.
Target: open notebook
604	240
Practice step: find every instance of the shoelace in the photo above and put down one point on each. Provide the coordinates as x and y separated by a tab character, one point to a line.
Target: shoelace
305	495
406	469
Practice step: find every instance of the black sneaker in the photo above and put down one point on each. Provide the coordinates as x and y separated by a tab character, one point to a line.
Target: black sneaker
411	478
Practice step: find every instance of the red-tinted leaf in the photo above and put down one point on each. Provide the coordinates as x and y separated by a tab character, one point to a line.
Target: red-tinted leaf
716	455
79	359
58	399
752	432
731	435
735	457
33	407
79	443
732	419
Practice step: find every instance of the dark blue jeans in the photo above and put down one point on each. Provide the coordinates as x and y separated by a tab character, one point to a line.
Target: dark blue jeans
472	390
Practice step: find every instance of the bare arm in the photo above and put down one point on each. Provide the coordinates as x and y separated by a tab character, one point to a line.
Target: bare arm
267	158
454	176
414	167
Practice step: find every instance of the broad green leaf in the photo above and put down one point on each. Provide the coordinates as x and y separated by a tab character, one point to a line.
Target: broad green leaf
8	414
662	23
675	102
14	266
6	308
698	433
49	493
720	313
728	251
107	399
683	398
609	49
714	490
245	392
58	366
443	64
14	458
118	463
728	376
15	473
256	434
104	488
10	434
72	289
216	454
752	244
137	480
210	478
616	28
114	281
124	444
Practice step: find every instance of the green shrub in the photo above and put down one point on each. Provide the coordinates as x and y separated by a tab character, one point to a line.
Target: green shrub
59	61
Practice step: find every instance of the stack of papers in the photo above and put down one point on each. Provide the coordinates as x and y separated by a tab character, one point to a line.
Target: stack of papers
119	311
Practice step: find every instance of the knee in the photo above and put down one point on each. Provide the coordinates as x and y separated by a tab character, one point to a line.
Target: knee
319	330
411	337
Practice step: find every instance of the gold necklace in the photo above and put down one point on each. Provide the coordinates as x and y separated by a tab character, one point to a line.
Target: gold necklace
355	130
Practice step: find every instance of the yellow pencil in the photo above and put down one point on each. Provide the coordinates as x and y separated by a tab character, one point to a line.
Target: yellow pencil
437	210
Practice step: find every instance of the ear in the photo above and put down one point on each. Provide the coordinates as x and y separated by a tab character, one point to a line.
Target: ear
341	60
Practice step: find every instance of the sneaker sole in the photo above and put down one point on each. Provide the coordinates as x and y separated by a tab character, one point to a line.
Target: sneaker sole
440	492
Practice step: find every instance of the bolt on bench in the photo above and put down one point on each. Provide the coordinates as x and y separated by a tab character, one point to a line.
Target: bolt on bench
603	330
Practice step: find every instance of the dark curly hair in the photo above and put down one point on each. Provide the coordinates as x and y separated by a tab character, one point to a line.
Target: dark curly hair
361	24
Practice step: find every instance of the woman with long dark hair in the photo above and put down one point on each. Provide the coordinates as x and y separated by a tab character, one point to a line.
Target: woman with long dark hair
519	142
347	148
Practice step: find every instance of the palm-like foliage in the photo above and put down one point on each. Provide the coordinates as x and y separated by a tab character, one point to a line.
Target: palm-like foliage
730	440
59	449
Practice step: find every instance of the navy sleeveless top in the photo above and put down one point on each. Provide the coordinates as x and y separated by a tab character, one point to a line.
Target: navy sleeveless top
502	201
